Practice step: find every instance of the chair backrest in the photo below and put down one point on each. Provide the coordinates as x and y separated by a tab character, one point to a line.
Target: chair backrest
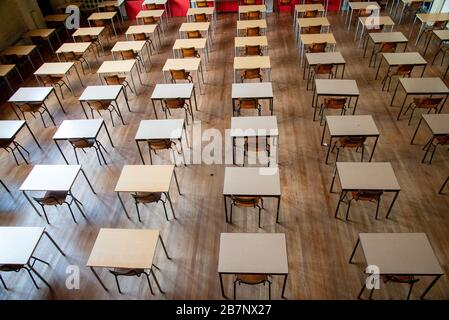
149	20
189	52
253	50
100	23
128	54
140	36
179	74
310	14
318	47
201	4
49	80
174	103
439	25
404	69
200	17
253	15
99	105
312	29
352	141
160	144
388	47
113	80
252	74
251	279
27	107
109	8
253	32
194	34
364	12
336	103
86	38
245	202
249	2
429	103
150	6
147	197
248	103
324	68
69	56
81	143
415	5
376	28
365	195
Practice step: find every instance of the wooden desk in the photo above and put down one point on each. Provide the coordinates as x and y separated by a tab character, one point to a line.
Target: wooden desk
308	22
136	46
103	16
253	253
255	127
441	36
45	34
421	86
405	3
337	88
103	93
263	182
52	178
377	38
81	129
402	58
149	29
77	47
242	25
208	11
173	91
119	4
187	64
262	8
5	70
260	91
119	66
347	126
370	5
36	95
165	3
125	248
10	128
22	51
309	39
400	254
252	62
159	130
202	27
426	18
314	59
157	14
58	69
93	32
366	176
147	179
300	9
367	23
198	44
241	42
17	246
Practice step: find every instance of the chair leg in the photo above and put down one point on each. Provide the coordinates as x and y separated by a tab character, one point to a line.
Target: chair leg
377	209
42	118
363	151
3	282
260	212
371	293
149	283
347	210
32	278
230	218
118	284
138	211
45	214
410	290
269	290
411	116
76	156
235	290
165	210
433	152
20	152
71	212
157	283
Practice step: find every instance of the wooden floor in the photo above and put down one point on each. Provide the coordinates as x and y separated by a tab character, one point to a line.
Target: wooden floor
319	245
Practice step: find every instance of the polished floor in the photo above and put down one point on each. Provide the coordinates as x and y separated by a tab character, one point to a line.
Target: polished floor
319	245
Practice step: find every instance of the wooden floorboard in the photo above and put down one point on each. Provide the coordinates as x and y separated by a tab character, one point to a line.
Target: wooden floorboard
319	246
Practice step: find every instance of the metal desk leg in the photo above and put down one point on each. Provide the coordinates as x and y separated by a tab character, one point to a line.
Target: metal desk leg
278	209
123	205
82	107
430	286
32	134
328	148
163	246
416	131
355	249
32	204
394	93
62	153
402	107
54	243
392	203
226	209
88	182
107	132
98	278
154	108
220	275
177	182
284	285
374	148
167	194
140	152
38	275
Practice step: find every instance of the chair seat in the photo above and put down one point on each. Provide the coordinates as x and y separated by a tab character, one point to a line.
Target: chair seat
52	198
366	195
29	107
10	267
126	271
400	279
246	202
147	197
419	103
351	142
252	278
160	144
82	143
4	143
443	139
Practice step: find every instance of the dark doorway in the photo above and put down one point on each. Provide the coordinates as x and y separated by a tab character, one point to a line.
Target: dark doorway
45	7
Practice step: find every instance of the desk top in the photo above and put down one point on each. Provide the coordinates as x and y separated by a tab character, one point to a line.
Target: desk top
188	64
172	91
438	123
325	58
340	126
150	13
143	28
136	46
9	128
243	24
92	93
31	94
307	22
58	68
369	176
364	5
252	181
194	26
250	41
5	69
432	85
443	35
51	178
17	244
117	66
160	129
43	33
56	17
376	21
400	253
255	7
90	31
397	58
380	37
252	62
261	126
77	47
308	7
206	10
74	129
144	178
20	50
432	17
102	16
253	253
308	39
259	90
190	43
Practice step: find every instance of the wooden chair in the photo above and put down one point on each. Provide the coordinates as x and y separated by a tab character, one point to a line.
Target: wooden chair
105	24
386	47
190	53
252	279
4	186
76	57
105	105
403	70
255	146
413	8
109	8
194	34
84	143
332	104
10	145
428	104
39	108
18	268
174	104
443	48
312	29
94	40
310	14
320	69
147	198
143	37
362	195
249	2
162	144
122	272
248	104
253	15
131	55
150	20
253	51
350	142
55	82
59	198
410	280
200	17
115	80
253	32
246	202
201	4
150	6
317	47
250	74
180	75
433	143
